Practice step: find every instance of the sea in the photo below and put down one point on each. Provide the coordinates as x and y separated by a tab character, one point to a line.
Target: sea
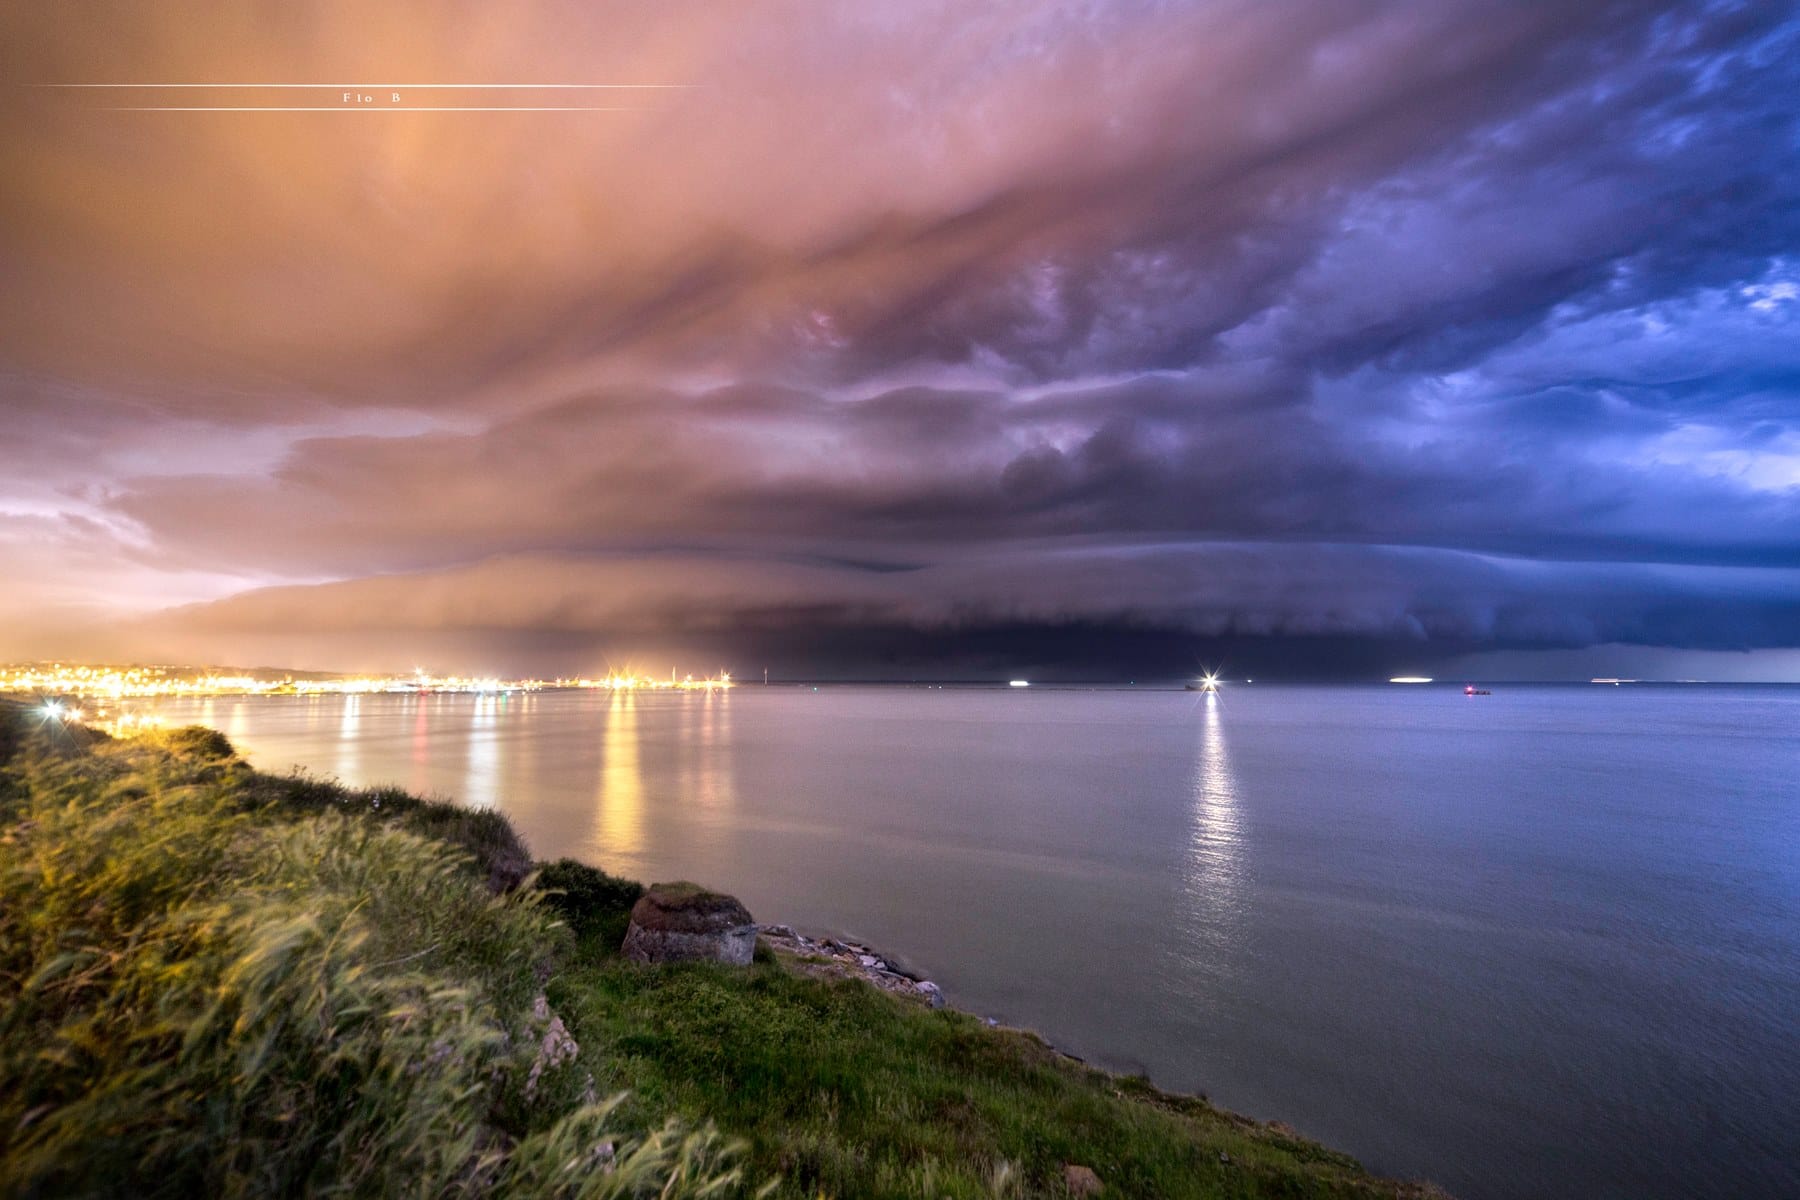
1538	943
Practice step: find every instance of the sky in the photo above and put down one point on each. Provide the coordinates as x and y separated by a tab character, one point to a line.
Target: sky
909	340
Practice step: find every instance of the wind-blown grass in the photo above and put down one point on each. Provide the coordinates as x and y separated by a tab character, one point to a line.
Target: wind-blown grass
199	996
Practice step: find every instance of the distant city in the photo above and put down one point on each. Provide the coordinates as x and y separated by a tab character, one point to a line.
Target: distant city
136	681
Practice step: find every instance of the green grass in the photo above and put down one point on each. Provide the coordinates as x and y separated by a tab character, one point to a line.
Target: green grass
202	993
219	982
843	1090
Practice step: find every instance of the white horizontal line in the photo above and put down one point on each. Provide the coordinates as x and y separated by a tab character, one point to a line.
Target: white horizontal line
353	86
368	108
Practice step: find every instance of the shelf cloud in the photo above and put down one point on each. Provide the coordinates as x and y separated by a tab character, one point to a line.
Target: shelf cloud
1084	336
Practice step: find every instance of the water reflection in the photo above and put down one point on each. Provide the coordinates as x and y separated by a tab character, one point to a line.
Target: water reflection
481	784
619	815
1214	876
349	750
237	727
715	790
521	748
421	747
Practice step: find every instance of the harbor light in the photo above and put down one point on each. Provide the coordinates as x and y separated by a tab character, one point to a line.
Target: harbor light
1019	683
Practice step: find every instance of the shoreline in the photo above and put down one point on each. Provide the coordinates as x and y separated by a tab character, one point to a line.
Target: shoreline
837	958
826	1064
830	957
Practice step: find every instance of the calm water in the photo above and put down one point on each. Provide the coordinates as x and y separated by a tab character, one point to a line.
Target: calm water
1541	943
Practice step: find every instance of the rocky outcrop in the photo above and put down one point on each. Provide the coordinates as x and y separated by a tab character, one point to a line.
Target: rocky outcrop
1080	1180
833	959
683	922
556	1046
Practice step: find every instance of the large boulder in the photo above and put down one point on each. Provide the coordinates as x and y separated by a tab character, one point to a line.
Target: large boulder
683	922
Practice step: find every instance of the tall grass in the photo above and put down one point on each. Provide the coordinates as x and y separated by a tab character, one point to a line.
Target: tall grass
203	997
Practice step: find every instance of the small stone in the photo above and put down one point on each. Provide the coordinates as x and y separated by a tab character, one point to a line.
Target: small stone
682	922
868	960
932	993
1080	1180
556	1046
1224	1157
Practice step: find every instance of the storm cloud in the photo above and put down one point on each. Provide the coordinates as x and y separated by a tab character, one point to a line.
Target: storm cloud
907	339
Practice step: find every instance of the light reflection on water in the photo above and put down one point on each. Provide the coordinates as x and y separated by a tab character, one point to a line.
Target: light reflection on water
715	789
481	787
420	777
237	724
1215	866
349	757
619	815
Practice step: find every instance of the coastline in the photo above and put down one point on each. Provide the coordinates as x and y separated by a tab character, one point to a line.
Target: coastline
825	1065
838	958
827	956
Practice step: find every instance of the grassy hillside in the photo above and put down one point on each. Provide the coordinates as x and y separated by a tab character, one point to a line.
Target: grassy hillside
219	982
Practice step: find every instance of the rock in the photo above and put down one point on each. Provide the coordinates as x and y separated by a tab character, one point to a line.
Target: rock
831	958
683	922
555	1044
507	866
1080	1180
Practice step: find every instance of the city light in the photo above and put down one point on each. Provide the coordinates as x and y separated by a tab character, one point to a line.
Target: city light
625	682
146	682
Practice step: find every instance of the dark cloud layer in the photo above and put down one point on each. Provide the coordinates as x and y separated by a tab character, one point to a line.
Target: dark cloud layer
1084	336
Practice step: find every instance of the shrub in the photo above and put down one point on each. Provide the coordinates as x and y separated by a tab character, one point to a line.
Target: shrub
587	898
193	741
500	855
